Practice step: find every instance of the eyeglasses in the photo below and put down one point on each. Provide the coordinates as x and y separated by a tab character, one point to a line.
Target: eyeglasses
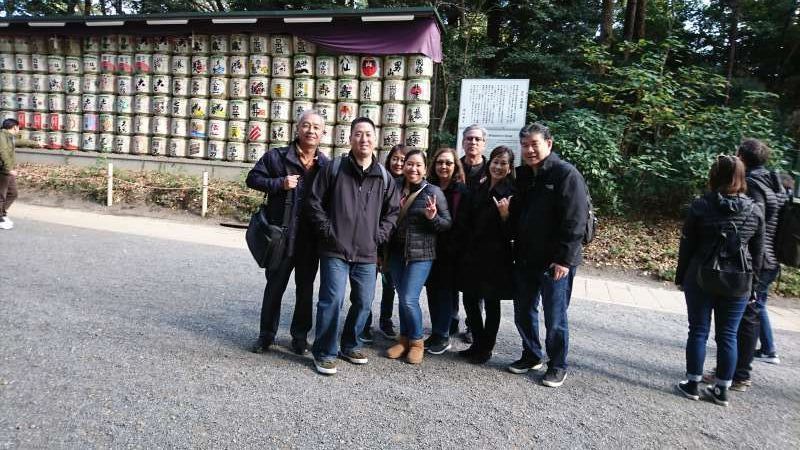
473	138
445	163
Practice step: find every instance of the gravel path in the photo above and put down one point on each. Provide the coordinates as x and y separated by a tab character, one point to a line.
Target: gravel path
113	340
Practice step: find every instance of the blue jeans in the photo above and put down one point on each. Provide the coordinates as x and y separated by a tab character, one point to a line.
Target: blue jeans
555	297
409	277
762	290
440	304
334	273
728	313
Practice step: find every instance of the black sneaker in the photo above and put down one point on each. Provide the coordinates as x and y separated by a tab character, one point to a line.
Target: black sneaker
771	358
467	353
429	341
300	346
717	394
688	389
388	330
325	367
554	377
480	357
261	346
439	346
367	337
354	356
523	365
454	328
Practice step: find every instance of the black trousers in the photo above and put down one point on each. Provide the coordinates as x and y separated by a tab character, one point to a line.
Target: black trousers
746	341
8	192
305	263
484	331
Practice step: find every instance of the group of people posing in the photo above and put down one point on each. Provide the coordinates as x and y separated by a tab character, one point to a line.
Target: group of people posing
452	225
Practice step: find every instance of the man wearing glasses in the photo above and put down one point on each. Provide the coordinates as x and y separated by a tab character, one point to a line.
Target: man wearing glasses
474	143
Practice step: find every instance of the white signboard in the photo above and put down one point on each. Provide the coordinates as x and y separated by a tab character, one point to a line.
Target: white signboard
498	105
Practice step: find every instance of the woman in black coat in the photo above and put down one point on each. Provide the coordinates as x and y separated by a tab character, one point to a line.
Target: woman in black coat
486	264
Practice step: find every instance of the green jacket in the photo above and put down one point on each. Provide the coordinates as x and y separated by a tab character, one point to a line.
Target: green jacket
7	143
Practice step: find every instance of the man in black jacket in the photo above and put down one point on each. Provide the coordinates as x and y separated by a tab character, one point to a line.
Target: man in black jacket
353	205
286	174
548	216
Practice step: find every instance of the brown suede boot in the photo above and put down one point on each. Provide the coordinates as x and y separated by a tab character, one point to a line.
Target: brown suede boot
398	350
416	351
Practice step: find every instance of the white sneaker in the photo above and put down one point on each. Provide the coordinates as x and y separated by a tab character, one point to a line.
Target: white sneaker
6	224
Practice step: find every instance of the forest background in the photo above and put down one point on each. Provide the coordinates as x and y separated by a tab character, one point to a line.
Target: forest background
641	94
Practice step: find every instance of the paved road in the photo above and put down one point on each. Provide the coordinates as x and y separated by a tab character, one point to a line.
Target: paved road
118	340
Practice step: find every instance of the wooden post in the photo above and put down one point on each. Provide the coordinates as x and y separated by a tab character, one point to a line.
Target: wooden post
204	209
110	188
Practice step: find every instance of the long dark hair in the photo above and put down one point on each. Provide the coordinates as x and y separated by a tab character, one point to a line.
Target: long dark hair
399	148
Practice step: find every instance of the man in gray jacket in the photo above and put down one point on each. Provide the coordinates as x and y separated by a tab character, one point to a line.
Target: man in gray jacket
353	205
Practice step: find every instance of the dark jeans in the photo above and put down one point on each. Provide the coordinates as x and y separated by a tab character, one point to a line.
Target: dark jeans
304	263
728	313
765	279
8	192
387	301
555	297
746	340
441	301
484	332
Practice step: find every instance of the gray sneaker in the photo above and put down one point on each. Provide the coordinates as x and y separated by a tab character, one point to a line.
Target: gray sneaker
325	367
354	356
554	377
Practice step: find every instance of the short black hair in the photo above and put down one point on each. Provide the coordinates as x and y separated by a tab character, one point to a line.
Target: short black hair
10	123
753	152
501	150
362	119
535	128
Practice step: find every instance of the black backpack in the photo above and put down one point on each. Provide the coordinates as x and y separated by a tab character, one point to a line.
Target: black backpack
787	235
724	270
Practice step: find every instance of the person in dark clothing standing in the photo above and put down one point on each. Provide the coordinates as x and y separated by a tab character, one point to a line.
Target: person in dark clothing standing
724	207
281	173
8	173
486	264
548	216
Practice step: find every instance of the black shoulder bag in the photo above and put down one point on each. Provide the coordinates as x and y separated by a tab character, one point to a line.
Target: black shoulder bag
725	271
267	242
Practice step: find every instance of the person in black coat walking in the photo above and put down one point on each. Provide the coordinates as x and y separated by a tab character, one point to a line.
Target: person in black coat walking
486	265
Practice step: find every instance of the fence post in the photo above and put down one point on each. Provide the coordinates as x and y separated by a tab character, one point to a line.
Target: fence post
204	209
110	188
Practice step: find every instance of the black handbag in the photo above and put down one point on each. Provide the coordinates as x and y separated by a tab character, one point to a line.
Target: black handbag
267	242
725	270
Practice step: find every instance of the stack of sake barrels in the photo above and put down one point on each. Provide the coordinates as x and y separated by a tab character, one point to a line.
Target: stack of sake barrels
221	96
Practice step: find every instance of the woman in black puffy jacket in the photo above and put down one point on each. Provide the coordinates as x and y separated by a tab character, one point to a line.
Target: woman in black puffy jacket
723	210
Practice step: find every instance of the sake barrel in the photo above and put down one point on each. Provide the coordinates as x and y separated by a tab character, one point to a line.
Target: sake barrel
162	84
238	109
55	45
299	107
218	108
259	43
106	103
255	150
7	62
392	114
179	127
325	67
142	104
394	90
73	103
347	66
159	125
198	108
218	87
260	65
142	84
418	114
196	149
180	107
8	82
200	65
280	45
73	85
302	46
237	130
56	64
56	121
73	123
259	86
23	62
341	136
238	66
38	63
217	129
89	103
73	46
280	110
108	43
416	137
281	89
125	64
369	91
124	85
390	136
257	131
39	83
6	44
90	84
106	122
303	66
326	150
238	88
140	144
394	67
418	90
220	44
419	66
55	140
201	44
370	111
347	89
122	144
370	68
123	125
218	65
339	151
38	44
38	121
327	110
215	150
239	44
162	45
259	108
24	82
166	65
327	135
181	45
91	63
55	102
8	101
22	44
198	128
39	101
234	151
162	105
73	65
144	44
124	104
141	125
279	132
180	86
198	87
72	141
89	142
143	63
325	89
346	112
179	65
177	147
108	63
281	67
158	146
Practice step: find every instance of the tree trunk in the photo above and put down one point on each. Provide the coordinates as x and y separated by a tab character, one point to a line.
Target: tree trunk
641	18
118	6
607	26
733	35
630	20
494	21
87	7
9	7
